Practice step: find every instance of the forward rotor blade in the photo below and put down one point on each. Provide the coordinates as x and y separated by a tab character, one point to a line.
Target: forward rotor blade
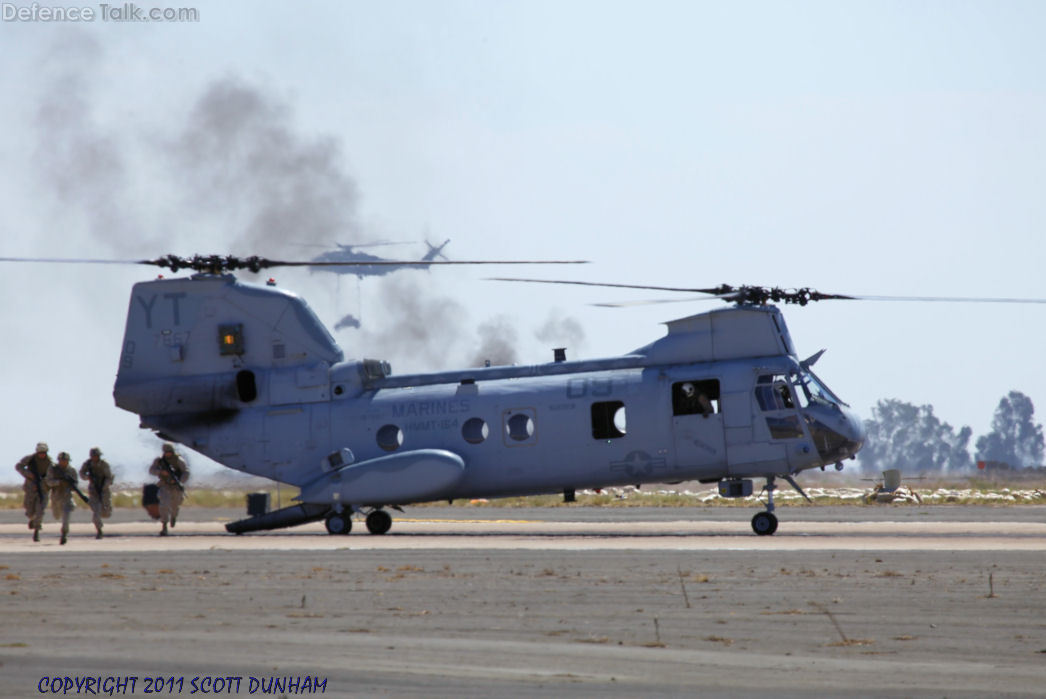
947	299
604	284
654	302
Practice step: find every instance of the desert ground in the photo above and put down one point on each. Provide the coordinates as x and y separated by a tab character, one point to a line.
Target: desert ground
843	601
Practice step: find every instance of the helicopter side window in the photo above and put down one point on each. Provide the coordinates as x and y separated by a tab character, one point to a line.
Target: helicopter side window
230	339
695	397
608	419
784	427
475	430
390	437
520	427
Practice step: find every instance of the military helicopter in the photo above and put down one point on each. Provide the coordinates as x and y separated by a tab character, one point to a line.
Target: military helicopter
361	266
247	375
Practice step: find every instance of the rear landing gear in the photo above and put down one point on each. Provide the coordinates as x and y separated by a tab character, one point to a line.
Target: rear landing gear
339	523
765	523
379	522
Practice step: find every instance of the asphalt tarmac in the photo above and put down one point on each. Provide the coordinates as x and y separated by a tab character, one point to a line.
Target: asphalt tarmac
842	601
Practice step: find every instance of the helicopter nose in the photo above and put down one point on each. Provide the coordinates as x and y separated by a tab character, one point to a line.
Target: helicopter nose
837	432
856	432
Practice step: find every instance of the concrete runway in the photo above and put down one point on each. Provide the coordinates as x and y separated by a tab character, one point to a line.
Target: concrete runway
858	601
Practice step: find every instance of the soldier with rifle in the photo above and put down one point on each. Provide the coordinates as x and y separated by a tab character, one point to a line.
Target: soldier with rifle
97	473
62	479
172	472
34	469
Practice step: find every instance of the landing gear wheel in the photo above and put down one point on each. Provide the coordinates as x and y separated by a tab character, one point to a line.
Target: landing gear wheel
339	523
764	523
379	522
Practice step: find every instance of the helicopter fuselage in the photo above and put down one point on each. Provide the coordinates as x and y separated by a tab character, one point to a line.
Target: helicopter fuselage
249	377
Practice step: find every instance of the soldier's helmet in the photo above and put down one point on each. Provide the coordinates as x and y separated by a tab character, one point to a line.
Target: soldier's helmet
168	447
63	456
95	451
41	447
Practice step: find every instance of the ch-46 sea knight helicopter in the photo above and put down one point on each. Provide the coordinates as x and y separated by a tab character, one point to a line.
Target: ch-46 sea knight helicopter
362	261
247	375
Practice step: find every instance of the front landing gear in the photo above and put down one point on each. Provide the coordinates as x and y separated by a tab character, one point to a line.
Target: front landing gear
765	523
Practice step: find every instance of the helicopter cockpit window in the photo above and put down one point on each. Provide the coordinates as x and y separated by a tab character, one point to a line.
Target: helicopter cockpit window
695	397
815	390
772	393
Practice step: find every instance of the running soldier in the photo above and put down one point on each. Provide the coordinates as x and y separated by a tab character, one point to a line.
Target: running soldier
172	471
33	469
100	499
62	479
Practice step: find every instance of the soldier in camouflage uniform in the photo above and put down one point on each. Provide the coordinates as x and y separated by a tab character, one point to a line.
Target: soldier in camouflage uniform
100	499
172	471
61	479
34	469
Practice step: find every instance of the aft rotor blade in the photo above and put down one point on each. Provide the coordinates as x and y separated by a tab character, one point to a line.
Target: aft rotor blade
426	263
215	264
67	260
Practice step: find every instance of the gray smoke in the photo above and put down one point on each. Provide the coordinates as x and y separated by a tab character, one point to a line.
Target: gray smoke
82	163
498	342
240	159
416	330
558	331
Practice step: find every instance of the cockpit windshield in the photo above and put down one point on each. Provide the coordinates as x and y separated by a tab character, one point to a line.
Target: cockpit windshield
814	389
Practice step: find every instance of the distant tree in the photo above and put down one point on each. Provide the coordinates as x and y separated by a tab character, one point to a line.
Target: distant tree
911	438
1015	439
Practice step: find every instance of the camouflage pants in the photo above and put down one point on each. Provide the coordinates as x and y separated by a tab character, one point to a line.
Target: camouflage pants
34	506
101	508
170	500
61	508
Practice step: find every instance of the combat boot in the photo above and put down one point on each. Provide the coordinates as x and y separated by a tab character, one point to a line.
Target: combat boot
62	542
36	535
99	534
163	532
173	517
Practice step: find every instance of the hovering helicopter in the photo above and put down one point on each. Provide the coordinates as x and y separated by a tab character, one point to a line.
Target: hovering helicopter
359	260
247	375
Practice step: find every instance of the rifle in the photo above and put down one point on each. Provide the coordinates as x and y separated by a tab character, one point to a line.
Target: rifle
72	484
170	472
97	484
39	485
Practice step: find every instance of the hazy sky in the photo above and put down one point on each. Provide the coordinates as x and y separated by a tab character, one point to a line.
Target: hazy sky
867	148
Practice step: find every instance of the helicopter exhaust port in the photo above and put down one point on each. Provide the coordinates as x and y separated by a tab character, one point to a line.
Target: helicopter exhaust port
735	488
